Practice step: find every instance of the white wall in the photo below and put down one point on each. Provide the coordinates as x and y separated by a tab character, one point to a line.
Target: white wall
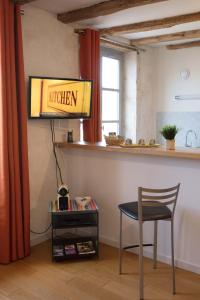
168	83
159	81
50	49
113	178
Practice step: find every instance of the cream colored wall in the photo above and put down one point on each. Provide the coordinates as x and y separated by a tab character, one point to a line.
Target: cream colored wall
114	178
168	82
50	49
145	95
129	94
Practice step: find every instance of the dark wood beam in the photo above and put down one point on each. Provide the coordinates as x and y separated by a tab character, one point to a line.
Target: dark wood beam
184	35
21	2
102	9
153	24
184	45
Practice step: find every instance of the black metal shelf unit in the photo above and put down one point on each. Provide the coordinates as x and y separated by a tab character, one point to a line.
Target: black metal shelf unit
75	234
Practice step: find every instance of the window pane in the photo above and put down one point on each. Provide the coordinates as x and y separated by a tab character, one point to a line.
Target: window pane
110	106
110	127
110	73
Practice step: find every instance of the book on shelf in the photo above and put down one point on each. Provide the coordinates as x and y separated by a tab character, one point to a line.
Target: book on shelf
85	248
58	250
70	249
74	206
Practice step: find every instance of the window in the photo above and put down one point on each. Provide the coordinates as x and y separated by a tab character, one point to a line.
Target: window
110	90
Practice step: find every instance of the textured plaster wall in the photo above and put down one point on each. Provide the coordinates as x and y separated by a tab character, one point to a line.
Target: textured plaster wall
129	95
50	49
145	95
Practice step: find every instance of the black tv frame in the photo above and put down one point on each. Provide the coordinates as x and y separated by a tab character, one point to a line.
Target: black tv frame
59	118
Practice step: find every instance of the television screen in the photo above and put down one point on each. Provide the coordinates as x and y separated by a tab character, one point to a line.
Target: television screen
60	98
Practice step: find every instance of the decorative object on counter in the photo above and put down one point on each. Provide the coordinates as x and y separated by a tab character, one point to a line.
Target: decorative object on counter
141	142
112	134
128	142
83	201
113	140
124	145
152	142
169	132
70	136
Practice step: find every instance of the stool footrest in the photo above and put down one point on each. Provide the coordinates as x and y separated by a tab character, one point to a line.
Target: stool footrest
136	246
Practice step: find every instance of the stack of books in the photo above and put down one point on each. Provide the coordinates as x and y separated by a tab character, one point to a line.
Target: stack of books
82	248
58	251
74	206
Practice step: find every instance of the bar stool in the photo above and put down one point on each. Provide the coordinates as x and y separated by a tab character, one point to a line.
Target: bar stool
152	205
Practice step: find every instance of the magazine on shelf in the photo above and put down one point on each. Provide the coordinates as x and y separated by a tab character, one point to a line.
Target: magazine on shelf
85	248
70	249
58	250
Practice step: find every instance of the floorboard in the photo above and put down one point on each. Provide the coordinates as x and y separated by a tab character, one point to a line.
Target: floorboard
38	278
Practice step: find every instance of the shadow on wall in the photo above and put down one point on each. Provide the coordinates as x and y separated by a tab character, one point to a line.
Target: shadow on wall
188	232
43	187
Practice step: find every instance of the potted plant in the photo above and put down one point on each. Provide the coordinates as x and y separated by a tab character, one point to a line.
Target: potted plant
169	132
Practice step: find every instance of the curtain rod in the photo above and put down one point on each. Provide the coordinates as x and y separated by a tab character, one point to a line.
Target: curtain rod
120	44
113	42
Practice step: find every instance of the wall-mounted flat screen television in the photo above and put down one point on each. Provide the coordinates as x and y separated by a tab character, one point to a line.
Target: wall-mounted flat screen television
58	98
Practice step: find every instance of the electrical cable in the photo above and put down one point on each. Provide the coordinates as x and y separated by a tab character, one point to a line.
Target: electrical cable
35	232
57	169
54	151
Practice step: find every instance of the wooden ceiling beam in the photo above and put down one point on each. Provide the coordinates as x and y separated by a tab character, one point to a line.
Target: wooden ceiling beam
102	9
21	2
184	45
184	35
153	24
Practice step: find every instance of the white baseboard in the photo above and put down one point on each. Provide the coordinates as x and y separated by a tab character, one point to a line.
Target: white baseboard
162	258
147	253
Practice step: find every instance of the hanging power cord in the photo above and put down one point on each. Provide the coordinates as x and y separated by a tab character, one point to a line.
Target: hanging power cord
57	169
42	232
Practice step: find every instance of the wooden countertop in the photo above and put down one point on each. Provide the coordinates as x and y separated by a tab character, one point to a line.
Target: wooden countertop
188	153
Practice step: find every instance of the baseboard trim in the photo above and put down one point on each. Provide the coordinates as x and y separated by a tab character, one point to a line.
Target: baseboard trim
162	258
114	243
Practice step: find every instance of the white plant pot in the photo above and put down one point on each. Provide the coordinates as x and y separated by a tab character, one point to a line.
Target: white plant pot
170	144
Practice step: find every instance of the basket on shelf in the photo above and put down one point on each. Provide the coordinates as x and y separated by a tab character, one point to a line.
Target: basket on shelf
113	140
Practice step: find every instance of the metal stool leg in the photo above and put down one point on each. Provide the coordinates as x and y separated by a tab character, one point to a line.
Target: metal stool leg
155	244
141	271
173	265
120	245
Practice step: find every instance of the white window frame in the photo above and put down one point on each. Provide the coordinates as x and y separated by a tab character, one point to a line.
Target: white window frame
115	54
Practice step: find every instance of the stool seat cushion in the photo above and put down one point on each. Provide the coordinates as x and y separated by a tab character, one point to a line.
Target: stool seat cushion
150	213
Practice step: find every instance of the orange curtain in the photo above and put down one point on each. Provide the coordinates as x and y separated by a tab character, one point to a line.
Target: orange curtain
90	69
14	176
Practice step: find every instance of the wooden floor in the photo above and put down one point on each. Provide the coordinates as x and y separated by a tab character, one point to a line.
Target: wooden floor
37	278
